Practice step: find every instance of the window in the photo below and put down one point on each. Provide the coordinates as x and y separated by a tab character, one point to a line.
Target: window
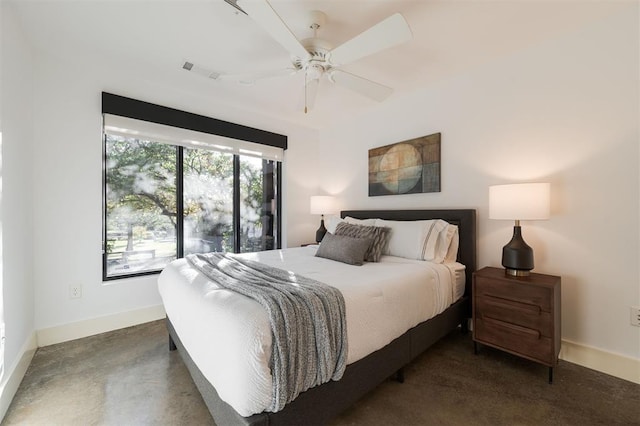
172	191
141	209
208	201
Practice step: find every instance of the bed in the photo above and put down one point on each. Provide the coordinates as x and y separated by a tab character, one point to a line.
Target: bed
321	403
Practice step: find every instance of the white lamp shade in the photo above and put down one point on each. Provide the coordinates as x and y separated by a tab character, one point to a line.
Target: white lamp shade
522	201
322	204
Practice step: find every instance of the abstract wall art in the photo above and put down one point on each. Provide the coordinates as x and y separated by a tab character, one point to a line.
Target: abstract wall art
408	167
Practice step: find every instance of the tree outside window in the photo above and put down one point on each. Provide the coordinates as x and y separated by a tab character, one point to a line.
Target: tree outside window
146	186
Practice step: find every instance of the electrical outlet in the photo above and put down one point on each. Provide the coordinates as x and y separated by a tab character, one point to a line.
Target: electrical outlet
75	291
635	316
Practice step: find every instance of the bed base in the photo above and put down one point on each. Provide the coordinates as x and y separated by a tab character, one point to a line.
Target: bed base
320	404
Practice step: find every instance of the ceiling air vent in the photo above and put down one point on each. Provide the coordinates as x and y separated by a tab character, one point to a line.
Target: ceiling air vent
190	66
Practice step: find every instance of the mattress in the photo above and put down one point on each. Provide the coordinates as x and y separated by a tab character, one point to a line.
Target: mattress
228	336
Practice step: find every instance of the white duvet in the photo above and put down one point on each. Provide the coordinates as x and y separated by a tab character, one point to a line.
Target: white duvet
228	336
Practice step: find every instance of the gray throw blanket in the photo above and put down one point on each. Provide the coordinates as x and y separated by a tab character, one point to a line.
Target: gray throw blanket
308	321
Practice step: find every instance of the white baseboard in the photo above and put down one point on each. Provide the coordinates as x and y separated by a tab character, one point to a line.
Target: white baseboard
93	326
611	363
13	376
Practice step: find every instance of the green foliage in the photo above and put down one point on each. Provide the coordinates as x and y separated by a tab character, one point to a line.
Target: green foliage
141	191
141	183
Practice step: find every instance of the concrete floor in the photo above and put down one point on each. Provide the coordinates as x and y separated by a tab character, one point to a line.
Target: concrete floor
129	377
125	377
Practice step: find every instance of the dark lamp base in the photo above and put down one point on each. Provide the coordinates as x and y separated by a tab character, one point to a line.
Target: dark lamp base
517	256
321	231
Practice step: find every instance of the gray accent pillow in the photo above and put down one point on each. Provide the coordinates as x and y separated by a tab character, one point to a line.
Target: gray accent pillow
378	235
343	249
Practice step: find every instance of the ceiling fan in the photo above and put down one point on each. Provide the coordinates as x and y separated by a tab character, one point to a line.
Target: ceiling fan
315	56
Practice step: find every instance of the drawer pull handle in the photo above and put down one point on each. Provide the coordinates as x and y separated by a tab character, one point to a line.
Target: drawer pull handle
512	304
513	327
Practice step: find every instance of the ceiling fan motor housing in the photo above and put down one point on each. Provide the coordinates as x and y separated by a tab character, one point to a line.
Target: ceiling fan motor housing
318	61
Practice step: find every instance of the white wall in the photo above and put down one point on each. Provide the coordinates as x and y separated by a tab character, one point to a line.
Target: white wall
67	186
565	112
16	213
301	181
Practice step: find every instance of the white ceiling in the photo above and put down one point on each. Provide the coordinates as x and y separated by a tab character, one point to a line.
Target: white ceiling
449	37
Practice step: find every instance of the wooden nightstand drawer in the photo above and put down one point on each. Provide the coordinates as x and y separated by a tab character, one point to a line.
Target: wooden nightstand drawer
513	338
509	290
515	312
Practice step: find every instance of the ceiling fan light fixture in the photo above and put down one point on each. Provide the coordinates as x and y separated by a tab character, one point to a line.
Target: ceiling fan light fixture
314	71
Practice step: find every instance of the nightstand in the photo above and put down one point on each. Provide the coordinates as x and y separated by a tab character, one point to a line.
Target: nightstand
519	315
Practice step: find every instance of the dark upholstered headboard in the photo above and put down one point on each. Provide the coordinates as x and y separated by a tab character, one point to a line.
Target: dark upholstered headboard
465	219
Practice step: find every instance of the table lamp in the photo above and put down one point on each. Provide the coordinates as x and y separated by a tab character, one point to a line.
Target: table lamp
522	201
321	204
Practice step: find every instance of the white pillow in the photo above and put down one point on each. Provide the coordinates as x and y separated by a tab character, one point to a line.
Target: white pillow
364	222
407	237
420	239
331	222
452	253
436	244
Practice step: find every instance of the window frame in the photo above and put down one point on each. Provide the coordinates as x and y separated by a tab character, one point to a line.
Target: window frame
140	110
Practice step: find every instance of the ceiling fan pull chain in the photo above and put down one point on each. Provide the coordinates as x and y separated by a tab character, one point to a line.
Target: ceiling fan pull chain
305	91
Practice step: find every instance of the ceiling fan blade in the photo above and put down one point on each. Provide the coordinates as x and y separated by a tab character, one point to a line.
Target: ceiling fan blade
234	3
390	32
368	88
264	15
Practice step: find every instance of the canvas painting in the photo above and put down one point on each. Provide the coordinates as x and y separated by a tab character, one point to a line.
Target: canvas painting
408	167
